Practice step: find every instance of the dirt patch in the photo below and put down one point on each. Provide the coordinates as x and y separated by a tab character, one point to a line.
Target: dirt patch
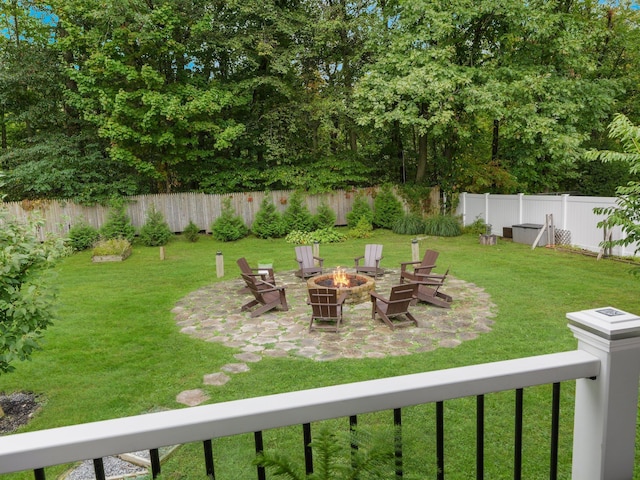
19	408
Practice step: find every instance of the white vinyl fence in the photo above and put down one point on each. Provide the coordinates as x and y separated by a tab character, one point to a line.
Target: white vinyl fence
573	217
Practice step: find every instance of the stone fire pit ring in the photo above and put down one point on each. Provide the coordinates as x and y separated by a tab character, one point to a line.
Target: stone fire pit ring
357	294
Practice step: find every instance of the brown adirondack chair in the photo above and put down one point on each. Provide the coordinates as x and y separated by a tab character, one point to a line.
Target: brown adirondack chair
429	290
265	294
420	268
326	307
264	274
398	303
306	265
371	265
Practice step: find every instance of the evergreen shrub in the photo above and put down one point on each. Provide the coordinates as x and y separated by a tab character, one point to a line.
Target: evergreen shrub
82	236
297	216
361	208
118	224
155	232
362	229
191	232
268	222
325	217
387	209
228	226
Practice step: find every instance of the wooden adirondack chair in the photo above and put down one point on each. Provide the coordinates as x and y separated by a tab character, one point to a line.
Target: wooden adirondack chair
398	303
326	307
429	290
371	265
420	268
306	264
264	274
265	294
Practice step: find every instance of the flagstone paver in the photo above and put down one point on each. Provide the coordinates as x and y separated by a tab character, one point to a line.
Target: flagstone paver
213	314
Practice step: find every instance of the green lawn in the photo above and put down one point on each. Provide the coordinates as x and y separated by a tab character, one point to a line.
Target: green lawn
115	349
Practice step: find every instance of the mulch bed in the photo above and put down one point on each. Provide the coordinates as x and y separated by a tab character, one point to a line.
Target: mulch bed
19	408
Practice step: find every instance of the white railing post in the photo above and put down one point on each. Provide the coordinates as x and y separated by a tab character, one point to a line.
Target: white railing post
606	406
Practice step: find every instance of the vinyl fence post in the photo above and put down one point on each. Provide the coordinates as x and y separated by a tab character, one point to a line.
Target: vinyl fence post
219	264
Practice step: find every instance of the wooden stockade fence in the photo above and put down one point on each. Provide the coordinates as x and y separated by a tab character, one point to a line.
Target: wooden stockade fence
179	208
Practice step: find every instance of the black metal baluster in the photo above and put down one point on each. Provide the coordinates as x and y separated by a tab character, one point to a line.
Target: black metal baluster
555	431
480	437
155	462
353	424
98	468
208	459
440	439
517	457
257	437
308	453
397	424
38	473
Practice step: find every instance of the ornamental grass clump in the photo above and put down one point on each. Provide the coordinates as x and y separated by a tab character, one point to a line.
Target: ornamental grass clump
112	246
443	226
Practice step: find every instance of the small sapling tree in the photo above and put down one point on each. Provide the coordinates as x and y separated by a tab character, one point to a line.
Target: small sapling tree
26	294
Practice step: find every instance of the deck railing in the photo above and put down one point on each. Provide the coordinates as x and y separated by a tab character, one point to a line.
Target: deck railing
606	366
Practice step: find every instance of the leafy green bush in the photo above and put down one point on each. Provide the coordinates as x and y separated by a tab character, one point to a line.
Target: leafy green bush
386	208
360	209
268	222
118	224
478	227
191	232
112	246
82	235
228	226
362	229
27	296
443	226
323	235
155	232
325	217
297	216
410	224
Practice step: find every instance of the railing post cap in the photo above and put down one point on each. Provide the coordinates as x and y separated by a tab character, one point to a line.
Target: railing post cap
606	322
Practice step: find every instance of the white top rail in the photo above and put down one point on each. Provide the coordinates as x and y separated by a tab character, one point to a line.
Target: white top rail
32	450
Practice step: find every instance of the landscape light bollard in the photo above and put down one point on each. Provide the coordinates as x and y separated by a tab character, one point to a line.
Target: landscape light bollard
219	265
606	407
415	250
316	253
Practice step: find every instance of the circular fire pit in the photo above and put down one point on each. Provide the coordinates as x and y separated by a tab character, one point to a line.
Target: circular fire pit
358	289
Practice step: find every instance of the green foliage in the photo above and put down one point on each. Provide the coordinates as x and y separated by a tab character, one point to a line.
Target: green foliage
386	208
297	216
26	296
334	459
323	235
442	226
325	217
417	196
118	224
82	235
112	246
626	212
191	232
478	227
155	232
360	208
228	226
410	224
362	229
268	222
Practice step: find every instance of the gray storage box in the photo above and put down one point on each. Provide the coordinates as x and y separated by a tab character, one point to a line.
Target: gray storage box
527	233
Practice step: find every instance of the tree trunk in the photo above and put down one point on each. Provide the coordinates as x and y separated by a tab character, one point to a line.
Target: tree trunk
494	142
422	158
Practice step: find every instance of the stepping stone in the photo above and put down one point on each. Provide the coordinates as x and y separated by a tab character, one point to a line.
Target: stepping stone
235	367
217	379
248	357
192	397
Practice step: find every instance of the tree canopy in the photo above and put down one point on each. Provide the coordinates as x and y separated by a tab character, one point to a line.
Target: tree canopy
124	97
